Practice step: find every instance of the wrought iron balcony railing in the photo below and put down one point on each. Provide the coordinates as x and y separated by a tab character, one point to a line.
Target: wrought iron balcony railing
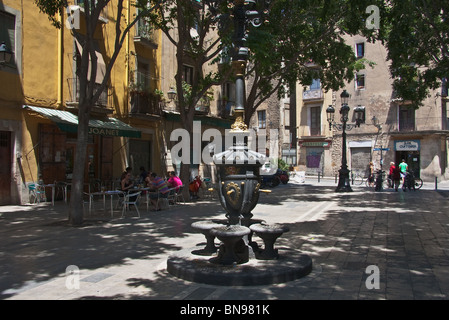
74	93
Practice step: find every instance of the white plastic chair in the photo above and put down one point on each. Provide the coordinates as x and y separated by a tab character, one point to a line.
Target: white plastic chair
128	200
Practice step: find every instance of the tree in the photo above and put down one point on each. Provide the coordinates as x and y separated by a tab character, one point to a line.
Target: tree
89	93
192	28
416	34
298	34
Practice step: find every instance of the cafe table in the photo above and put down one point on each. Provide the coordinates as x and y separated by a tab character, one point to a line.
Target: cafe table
110	193
147	191
52	186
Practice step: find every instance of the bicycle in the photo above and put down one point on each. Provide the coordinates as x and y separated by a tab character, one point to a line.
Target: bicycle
411	182
358	179
418	183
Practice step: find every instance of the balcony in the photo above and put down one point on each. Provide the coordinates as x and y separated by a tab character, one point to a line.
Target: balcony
312	95
202	108
146	36
225	108
406	126
103	15
101	106
145	104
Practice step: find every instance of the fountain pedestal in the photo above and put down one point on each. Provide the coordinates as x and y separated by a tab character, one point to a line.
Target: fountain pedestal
233	248
269	234
205	227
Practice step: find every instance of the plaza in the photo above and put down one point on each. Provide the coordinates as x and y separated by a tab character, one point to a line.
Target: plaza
404	234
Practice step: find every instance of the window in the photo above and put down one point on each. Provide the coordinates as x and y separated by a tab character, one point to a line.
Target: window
360	50
360	81
7	32
262	119
316	84
315	121
406	118
188	74
227	98
143	76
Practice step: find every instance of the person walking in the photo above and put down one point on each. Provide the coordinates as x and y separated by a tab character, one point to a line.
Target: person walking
396	177
371	174
390	175
403	166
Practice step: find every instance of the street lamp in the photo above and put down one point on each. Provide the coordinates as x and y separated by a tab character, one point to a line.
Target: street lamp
5	54
171	93
343	183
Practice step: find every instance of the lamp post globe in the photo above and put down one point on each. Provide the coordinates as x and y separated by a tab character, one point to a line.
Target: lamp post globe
5	53
344	97
344	111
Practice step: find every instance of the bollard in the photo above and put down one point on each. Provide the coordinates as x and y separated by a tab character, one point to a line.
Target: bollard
436	183
318	176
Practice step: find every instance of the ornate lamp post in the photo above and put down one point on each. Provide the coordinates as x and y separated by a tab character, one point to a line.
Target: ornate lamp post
343	182
5	54
238	167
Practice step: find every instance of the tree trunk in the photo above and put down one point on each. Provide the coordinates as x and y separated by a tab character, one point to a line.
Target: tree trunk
76	209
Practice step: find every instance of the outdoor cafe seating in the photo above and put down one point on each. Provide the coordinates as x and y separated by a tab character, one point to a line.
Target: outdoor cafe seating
105	195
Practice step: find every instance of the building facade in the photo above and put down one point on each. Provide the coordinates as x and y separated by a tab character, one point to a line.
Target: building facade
131	123
40	91
392	131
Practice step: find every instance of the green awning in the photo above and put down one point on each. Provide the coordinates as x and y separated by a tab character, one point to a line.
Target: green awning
206	120
68	122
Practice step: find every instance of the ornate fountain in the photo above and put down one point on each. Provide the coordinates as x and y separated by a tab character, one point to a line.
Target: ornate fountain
239	260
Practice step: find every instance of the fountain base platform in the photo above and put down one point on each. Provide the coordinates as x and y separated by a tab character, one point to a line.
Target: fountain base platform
290	265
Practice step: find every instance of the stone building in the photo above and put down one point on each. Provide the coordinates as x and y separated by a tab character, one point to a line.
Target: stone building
392	131
39	98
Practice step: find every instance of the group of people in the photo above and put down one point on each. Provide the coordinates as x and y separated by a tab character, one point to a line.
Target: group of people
161	187
396	175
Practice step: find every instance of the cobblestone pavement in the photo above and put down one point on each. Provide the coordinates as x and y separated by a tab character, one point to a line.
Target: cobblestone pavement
364	245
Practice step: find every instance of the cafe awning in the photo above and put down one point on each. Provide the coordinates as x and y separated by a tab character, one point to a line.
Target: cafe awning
68	122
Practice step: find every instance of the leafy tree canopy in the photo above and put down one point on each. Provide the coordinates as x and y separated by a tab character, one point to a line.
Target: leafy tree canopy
417	37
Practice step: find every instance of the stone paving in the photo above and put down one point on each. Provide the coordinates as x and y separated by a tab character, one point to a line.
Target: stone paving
364	245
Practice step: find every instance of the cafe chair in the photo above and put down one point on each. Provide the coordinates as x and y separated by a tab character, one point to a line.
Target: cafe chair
179	195
61	188
171	196
36	193
131	199
164	202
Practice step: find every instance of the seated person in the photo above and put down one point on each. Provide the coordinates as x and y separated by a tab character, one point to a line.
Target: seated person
174	181
126	184
160	186
143	175
194	187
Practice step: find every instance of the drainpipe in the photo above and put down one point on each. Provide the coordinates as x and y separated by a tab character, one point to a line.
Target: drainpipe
60	58
127	61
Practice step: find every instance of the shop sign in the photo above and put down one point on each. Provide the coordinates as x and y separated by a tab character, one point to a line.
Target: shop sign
407	145
104	132
315	144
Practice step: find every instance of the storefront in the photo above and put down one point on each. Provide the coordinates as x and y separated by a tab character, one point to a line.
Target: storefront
360	156
56	140
408	150
314	154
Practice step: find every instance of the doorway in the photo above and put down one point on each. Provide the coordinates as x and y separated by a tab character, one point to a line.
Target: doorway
5	167
412	158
